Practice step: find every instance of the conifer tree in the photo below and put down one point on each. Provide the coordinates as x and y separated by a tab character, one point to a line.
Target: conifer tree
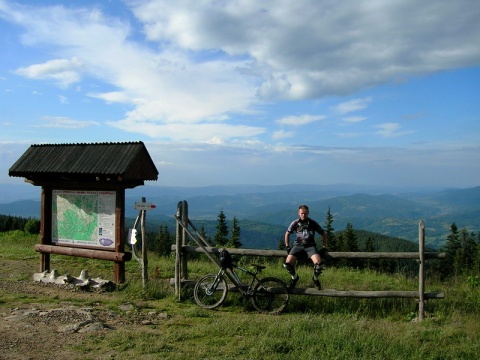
370	247
351	244
342	246
447	265
235	238
203	234
221	234
333	244
32	226
351	239
476	262
163	241
467	253
332	241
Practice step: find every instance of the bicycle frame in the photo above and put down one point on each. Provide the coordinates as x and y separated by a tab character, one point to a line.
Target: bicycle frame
235	279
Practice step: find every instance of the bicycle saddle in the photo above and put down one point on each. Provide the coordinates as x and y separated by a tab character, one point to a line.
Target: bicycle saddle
259	267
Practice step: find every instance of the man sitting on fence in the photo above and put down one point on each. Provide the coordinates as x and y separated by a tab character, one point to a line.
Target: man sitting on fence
304	245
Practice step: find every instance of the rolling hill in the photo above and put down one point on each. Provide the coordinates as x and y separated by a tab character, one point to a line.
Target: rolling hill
264	212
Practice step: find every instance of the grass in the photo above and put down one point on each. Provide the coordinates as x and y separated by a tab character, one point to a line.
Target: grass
311	327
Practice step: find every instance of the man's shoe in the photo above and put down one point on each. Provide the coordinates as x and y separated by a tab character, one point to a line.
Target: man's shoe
317	284
293	282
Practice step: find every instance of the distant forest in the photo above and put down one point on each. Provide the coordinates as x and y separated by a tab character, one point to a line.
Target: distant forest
462	248
29	225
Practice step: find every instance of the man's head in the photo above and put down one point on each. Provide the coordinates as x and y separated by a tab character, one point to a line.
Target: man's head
303	212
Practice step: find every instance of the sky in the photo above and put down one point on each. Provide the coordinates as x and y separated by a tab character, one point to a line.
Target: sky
270	92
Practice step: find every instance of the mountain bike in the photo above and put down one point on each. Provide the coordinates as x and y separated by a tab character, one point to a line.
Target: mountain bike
268	295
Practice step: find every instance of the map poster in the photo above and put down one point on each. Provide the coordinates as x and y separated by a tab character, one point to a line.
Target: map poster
84	218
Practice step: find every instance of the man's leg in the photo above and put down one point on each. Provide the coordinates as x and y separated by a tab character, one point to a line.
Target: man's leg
317	270
289	265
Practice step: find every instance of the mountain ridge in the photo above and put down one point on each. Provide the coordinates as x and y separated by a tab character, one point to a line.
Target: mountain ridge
394	214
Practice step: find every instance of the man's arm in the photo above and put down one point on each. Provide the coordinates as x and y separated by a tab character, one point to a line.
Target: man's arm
287	239
324	240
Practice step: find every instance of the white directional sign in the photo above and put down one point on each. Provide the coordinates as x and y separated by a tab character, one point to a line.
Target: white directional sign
144	206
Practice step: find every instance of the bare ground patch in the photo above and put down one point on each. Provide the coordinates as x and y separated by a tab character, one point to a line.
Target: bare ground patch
39	329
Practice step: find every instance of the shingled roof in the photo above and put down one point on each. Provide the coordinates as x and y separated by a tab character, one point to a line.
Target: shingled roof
128	163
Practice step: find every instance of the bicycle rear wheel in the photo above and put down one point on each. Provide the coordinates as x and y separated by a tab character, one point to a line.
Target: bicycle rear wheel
210	291
270	296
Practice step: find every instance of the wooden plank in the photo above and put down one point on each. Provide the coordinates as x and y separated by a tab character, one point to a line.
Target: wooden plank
365	294
282	253
342	293
86	253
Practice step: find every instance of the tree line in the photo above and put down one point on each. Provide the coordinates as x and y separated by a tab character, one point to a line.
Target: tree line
462	254
10	223
161	242
462	248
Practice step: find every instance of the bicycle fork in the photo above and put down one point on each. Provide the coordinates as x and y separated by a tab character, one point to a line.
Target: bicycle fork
209	290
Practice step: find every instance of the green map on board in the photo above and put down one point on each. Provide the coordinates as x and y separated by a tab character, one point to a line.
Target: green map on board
76	217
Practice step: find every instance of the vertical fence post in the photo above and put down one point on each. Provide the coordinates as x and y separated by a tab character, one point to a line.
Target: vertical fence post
144	247
178	232
421	271
183	255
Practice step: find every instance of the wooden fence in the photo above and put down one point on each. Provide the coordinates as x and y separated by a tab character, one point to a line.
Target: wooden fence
185	230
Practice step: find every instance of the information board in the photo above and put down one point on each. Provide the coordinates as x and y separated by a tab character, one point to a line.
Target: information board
84	218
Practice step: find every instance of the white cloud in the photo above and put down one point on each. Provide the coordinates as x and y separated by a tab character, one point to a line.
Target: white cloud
205	132
281	134
352	106
63	99
354	119
309	48
299	120
63	71
350	135
389	130
64	123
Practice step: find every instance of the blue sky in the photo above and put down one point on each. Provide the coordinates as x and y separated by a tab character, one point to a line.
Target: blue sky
251	92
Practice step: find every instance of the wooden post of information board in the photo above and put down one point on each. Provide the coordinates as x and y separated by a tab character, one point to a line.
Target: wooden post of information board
119	267
45	226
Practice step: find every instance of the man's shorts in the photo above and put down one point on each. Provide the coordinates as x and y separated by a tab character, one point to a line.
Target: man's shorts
301	251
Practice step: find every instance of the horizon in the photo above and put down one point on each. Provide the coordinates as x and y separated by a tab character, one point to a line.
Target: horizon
27	191
250	93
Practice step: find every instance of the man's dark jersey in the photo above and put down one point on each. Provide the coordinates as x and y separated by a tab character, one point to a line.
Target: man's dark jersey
305	231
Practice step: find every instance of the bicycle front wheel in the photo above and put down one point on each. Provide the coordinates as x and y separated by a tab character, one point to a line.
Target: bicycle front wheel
210	291
270	296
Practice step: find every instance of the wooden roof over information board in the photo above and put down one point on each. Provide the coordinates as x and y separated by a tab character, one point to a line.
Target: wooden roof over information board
122	164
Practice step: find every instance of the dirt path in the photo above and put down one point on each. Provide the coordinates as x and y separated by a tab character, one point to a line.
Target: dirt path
40	329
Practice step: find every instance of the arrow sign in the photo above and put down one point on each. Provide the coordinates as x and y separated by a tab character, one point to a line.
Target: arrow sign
144	206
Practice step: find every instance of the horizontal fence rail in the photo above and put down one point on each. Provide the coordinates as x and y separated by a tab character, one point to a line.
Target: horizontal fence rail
86	253
343	255
367	294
